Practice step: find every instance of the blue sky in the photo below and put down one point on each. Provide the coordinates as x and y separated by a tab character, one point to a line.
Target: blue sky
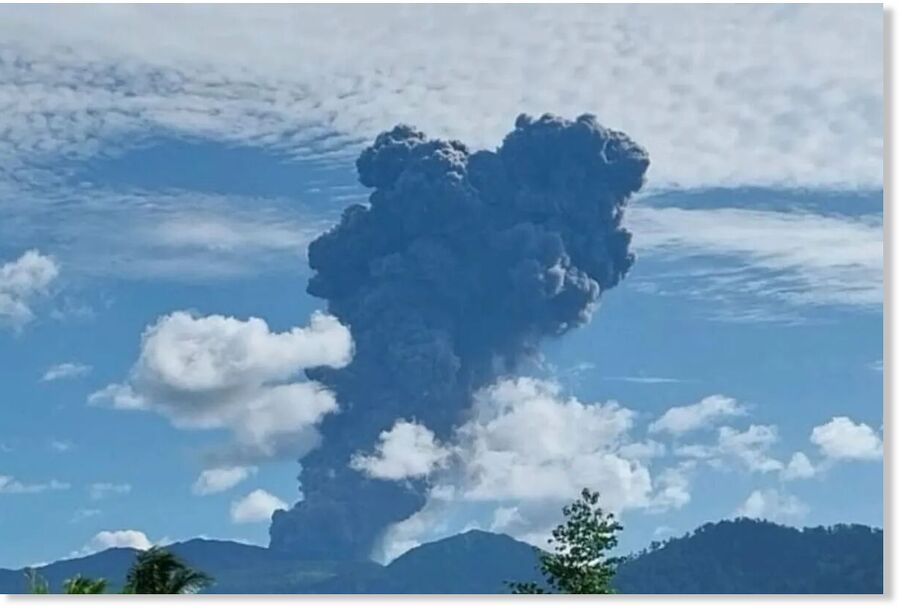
149	174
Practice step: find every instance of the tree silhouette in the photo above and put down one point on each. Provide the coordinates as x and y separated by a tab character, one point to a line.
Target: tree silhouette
579	563
84	585
159	571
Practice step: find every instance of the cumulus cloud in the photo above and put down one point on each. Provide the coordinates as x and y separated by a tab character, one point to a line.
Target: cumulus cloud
220	479
119	539
101	490
527	441
221	372
104	540
407	450
842	439
255	507
683	419
673	488
21	282
700	452
12	486
643	451
750	447
66	370
527	450
798	468
769	504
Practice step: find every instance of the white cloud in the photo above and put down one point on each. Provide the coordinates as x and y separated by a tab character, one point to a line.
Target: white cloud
105	540
643	451
256	507
120	539
220	372
798	468
663	532
504	517
407	450
67	370
701	452
12	486
682	419
797	258
842	439
61	446
178	235
84	513
528	450
222	234
645	380
750	447
769	504
756	94
527	441
70	95
220	479
102	490
673	489
21	282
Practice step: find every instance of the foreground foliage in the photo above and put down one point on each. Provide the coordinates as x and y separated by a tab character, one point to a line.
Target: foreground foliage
154	571
579	563
159	571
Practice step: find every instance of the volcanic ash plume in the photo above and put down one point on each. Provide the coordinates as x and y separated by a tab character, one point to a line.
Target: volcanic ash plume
459	265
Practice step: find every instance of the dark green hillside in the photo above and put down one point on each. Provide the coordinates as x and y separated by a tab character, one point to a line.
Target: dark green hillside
730	557
756	557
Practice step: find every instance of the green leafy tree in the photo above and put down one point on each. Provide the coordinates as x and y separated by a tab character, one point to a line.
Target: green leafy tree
579	562
159	571
84	585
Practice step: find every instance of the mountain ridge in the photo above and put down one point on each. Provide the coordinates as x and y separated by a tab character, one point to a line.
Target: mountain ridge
728	557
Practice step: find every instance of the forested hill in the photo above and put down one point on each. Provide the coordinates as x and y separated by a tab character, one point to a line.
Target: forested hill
729	557
756	557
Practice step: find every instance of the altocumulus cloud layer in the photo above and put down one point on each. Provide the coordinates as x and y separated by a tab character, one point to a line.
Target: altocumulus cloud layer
765	95
774	94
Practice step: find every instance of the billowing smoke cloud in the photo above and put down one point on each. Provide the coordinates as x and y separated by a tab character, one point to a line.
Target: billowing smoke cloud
459	265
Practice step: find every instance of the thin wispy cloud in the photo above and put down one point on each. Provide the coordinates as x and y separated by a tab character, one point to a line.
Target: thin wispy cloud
65	370
84	514
177	235
102	490
799	259
61	446
13	486
645	380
